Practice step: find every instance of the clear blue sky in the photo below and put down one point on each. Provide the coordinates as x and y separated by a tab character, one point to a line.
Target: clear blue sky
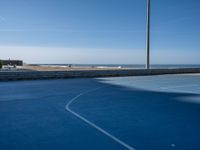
99	31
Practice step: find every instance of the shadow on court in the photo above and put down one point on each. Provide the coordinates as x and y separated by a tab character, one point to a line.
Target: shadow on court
33	116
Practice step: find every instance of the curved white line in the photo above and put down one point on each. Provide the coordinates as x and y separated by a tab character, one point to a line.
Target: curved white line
92	124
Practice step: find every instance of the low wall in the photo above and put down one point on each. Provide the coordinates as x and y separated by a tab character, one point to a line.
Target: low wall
31	75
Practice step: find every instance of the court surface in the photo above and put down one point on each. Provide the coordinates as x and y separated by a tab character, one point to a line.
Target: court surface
134	113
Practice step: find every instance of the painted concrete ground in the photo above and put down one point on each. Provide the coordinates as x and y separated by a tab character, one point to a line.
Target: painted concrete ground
142	113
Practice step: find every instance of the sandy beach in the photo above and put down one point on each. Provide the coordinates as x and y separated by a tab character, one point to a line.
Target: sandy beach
63	68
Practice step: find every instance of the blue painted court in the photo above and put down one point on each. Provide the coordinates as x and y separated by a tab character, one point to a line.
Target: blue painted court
133	113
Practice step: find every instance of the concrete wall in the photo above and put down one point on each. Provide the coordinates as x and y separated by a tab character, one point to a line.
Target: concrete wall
31	75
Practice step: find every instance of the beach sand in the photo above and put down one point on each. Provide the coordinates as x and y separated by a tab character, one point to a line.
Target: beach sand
62	68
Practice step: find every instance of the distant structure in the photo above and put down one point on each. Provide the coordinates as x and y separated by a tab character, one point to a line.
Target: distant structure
13	62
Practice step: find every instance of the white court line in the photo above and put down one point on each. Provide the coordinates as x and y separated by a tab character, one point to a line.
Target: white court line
67	107
179	86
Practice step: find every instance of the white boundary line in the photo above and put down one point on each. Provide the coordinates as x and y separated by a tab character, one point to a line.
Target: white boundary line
67	107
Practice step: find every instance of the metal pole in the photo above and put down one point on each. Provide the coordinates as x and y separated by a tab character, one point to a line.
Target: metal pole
148	35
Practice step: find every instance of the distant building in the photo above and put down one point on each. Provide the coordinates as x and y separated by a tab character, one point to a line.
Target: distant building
13	62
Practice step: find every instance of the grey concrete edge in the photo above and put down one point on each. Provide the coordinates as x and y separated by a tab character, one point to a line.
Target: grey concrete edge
33	75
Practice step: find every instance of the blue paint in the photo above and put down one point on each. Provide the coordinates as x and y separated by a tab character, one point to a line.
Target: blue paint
33	115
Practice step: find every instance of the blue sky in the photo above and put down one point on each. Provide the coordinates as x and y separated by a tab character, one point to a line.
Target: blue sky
99	31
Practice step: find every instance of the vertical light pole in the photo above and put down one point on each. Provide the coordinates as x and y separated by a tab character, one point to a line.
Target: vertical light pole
148	35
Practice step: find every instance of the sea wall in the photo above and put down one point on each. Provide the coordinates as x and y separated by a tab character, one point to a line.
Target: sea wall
32	75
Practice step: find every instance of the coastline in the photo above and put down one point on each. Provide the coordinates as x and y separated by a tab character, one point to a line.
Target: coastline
74	67
64	68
